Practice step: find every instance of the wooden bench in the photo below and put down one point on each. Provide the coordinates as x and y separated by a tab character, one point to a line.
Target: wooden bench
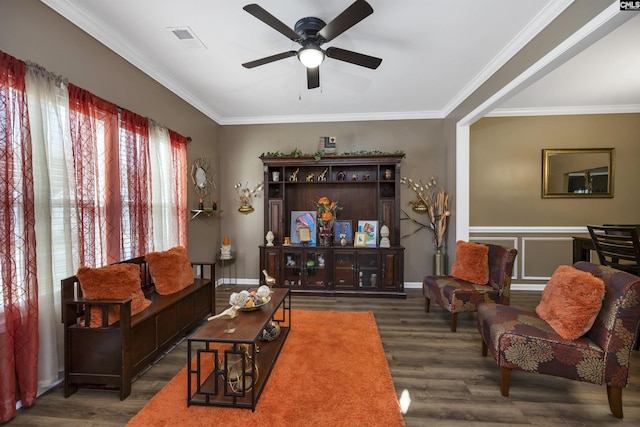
113	355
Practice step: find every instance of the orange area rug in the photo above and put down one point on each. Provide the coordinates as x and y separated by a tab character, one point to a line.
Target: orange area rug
332	371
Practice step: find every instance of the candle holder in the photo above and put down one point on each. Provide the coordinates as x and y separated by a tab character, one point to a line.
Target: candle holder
245	196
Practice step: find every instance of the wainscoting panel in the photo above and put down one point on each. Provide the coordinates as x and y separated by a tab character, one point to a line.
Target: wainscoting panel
540	250
542	255
507	242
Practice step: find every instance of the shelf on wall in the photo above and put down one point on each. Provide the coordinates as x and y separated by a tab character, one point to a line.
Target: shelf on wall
207	212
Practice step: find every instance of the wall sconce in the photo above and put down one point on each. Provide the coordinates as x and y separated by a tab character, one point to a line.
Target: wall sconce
245	196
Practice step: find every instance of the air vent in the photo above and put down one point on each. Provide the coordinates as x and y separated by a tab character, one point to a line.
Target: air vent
186	37
183	34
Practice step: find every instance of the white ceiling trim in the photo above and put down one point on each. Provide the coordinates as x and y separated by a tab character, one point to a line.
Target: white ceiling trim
324	118
593	30
544	18
138	59
91	27
565	111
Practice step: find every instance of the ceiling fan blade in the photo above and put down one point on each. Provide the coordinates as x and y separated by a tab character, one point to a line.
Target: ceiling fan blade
355	13
353	57
269	59
313	78
272	21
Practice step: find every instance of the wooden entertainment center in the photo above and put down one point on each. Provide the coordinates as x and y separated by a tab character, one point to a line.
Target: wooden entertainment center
367	187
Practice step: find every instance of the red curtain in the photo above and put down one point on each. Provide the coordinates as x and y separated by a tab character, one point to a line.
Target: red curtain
179	158
95	195
135	186
19	308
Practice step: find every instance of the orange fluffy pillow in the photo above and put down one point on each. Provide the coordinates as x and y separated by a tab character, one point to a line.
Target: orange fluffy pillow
117	281
471	262
170	270
571	301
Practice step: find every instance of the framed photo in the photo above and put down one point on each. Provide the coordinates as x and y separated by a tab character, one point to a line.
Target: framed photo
305	235
328	144
300	220
343	228
359	239
370	228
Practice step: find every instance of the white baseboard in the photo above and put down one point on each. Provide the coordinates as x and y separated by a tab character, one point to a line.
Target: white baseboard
407	285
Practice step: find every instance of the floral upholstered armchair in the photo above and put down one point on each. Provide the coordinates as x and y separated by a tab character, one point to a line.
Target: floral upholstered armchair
599	354
462	291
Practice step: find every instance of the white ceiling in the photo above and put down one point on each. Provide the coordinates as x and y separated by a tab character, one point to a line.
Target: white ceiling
435	53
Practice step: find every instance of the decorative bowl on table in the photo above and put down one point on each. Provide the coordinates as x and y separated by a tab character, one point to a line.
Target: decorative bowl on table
250	300
255	306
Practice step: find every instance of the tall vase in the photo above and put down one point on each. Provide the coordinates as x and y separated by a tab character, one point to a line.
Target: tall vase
439	262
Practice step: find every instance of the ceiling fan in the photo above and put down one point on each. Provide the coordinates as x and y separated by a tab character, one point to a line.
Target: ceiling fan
311	33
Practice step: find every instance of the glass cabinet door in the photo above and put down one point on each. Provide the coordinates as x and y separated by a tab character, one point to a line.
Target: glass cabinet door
344	269
368	269
292	270
315	268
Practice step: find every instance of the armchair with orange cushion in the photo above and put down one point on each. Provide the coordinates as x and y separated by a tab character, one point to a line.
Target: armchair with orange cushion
480	273
574	333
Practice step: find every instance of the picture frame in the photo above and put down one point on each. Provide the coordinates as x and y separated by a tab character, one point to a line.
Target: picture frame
327	144
359	239
343	227
370	228
303	219
305	235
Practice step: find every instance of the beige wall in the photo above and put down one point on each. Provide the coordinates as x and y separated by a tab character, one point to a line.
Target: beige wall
241	146
31	31
506	170
506	206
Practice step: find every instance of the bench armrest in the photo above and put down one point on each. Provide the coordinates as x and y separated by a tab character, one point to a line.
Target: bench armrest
201	264
73	312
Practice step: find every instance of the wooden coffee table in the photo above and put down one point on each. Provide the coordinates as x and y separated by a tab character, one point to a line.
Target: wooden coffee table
232	369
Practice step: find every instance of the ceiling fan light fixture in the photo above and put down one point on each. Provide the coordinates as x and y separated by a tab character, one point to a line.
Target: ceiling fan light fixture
311	56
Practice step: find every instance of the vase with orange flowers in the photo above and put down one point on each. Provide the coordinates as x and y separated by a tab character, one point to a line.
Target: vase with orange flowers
327	211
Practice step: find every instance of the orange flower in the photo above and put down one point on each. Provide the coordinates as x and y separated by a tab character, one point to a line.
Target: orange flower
327	211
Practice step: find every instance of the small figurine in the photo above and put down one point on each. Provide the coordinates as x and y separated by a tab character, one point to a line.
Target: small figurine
270	281
294	175
323	175
354	177
384	241
269	238
342	176
366	176
310	177
227	315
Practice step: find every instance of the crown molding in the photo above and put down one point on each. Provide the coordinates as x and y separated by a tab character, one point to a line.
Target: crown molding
565	111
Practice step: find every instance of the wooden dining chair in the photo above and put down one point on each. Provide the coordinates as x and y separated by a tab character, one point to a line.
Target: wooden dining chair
617	246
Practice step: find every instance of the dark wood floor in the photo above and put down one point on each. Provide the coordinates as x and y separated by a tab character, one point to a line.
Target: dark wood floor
444	373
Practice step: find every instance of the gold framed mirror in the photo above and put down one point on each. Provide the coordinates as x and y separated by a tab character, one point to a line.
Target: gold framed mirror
577	173
201	177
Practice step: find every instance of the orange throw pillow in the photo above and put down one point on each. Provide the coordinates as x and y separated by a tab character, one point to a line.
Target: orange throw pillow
117	281
170	270
471	262
571	301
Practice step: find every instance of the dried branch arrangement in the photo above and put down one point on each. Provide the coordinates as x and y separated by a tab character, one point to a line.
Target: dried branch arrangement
434	201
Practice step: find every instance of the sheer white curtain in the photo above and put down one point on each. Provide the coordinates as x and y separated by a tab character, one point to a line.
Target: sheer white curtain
48	103
56	204
165	232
